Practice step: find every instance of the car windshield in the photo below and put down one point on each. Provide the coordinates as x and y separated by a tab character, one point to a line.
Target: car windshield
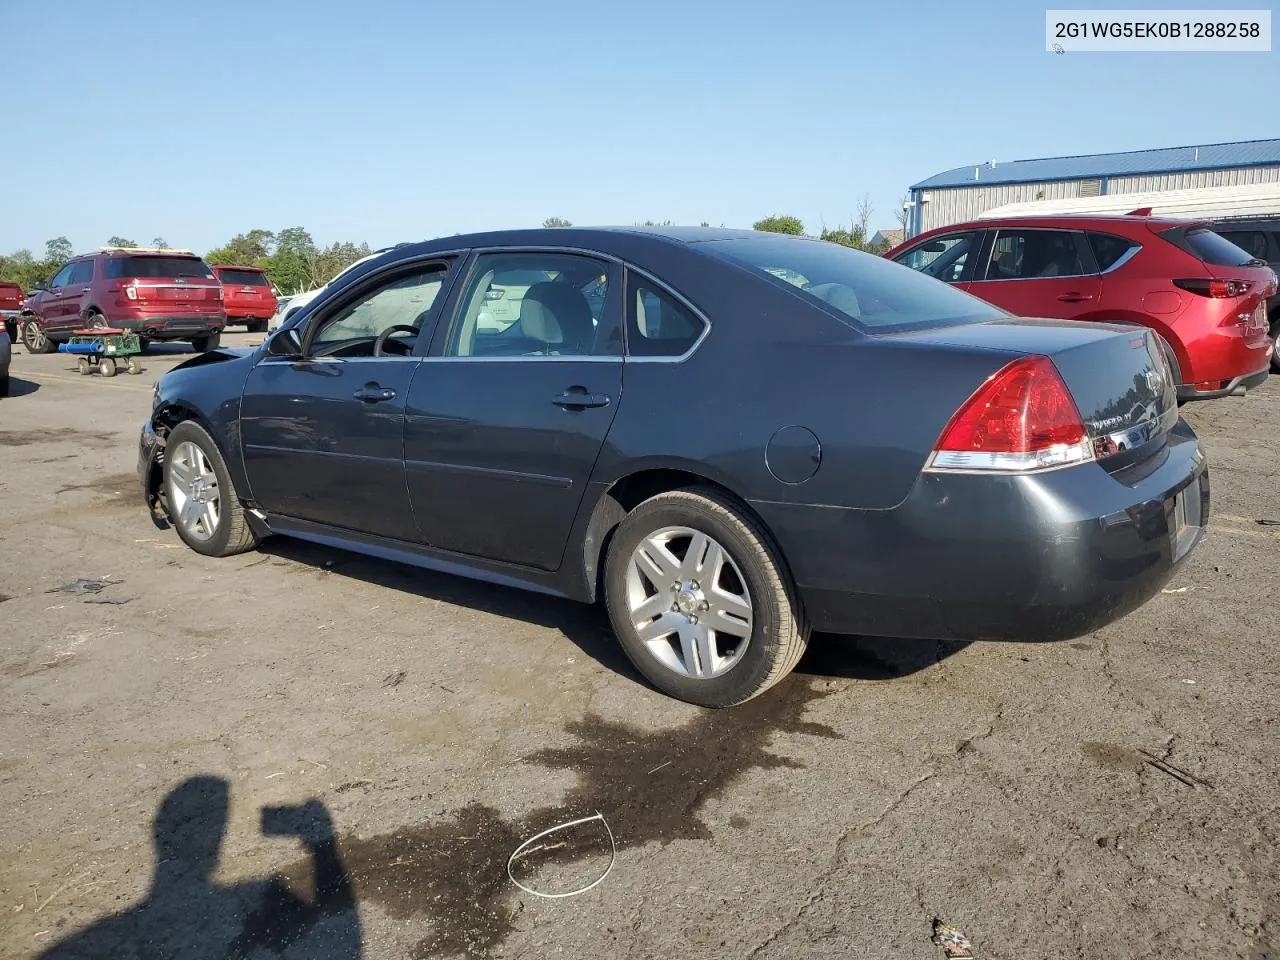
153	267
871	293
244	278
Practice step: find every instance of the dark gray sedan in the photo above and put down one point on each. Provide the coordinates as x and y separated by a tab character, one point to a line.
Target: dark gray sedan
733	438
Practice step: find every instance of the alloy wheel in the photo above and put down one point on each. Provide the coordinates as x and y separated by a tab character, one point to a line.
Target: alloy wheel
194	496
688	602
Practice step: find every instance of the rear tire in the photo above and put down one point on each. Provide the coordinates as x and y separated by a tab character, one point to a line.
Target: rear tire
135	367
84	366
750	582
107	367
1275	338
205	344
94	320
34	337
191	455
255	326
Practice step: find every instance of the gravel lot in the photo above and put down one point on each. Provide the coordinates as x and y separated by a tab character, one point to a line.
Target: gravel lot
1111	797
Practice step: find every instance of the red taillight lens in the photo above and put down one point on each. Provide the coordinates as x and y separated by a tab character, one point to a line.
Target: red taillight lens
1022	418
131	291
1218	289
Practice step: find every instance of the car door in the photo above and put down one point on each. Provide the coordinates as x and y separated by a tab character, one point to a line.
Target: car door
59	300
322	416
1035	272
507	418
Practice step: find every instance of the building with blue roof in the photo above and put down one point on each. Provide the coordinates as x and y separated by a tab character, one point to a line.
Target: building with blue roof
964	193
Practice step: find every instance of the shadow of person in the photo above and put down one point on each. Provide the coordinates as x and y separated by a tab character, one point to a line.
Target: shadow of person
187	916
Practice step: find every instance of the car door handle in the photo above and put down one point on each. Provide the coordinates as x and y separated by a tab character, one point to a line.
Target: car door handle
1075	297
579	399
372	393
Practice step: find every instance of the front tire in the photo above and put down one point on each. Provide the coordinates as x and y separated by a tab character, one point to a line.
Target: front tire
700	599
200	495
34	337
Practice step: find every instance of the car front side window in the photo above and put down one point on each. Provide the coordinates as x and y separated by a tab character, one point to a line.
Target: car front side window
404	301
62	277
942	257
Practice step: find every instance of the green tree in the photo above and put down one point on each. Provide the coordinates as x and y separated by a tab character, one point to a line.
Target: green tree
556	222
58	251
160	243
294	266
250	249
119	241
780	223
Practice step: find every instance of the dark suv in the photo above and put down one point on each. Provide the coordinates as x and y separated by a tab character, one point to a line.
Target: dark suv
159	294
1260	237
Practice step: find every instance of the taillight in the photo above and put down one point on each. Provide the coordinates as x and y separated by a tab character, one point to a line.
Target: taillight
219	292
131	291
1218	289
1021	419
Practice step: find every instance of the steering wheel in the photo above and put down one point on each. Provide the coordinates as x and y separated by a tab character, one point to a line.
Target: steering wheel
382	338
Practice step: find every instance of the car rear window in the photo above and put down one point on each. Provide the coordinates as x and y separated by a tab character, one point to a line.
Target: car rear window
1210	247
244	278
871	293
153	267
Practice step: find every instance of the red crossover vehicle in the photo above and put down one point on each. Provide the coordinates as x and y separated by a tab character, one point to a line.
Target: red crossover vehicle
160	294
247	295
10	307
1204	295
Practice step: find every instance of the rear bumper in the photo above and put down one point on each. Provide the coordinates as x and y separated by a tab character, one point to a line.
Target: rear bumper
1042	557
171	328
250	311
1236	387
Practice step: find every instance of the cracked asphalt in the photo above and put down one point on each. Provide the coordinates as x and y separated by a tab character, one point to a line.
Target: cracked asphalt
1110	797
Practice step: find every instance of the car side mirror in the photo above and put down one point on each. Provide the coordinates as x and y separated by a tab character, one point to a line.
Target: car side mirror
285	343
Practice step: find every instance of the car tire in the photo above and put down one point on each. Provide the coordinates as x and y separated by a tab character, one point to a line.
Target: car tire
1275	338
191	455
107	367
255	326
4	385
144	344
93	319
34	337
205	344
702	666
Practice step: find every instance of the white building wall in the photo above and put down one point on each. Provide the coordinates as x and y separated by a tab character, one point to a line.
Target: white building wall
1239	176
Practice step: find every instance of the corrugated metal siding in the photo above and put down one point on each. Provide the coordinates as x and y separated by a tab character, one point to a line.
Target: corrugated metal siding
1240	176
949	205
957	204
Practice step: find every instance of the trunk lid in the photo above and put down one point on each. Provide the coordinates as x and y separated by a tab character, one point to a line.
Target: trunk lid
169	284
1117	375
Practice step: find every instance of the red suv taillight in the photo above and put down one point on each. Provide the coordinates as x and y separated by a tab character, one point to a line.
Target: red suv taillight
1218	289
1021	419
131	291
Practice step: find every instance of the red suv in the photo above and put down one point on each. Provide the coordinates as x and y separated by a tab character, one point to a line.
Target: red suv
247	295
1204	295
160	294
10	307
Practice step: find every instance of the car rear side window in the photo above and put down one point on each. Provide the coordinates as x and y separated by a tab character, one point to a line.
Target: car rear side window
82	272
657	325
243	278
150	268
869	292
1108	249
1209	247
1034	255
535	305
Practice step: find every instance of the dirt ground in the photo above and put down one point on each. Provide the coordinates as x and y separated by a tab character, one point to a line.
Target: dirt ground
1110	797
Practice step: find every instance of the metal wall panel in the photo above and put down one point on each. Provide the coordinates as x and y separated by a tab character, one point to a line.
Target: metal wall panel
1240	176
949	205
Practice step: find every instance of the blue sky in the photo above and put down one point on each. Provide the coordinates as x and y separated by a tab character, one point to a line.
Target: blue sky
389	121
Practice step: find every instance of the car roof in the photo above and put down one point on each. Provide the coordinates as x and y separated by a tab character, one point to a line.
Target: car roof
551	236
235	266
